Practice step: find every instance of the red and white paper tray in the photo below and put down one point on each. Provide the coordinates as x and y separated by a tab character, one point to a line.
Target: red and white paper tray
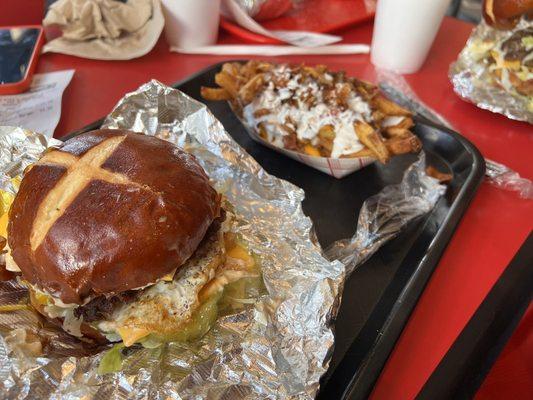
336	167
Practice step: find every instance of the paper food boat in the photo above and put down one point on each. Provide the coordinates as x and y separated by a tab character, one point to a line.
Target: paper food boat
336	167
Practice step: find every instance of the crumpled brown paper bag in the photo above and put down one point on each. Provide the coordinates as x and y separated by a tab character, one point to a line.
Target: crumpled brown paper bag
105	29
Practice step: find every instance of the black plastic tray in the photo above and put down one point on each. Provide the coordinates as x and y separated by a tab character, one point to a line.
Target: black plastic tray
380	295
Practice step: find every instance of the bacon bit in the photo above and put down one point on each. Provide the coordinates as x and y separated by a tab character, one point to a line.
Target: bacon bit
343	93
261	112
290	142
288	129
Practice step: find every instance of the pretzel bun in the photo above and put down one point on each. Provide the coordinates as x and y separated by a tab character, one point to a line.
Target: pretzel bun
504	14
109	211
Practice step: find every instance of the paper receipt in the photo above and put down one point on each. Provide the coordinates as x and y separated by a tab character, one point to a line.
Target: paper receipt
39	108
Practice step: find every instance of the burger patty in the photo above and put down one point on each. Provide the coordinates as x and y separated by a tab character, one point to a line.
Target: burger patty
514	48
102	307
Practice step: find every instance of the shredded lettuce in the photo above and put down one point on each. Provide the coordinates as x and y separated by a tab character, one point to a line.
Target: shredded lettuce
237	294
527	42
112	360
200	323
151	343
232	299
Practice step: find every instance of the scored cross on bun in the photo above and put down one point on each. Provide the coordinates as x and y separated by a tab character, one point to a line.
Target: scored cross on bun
121	235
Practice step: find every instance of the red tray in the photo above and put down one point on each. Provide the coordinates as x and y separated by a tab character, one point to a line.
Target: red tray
312	15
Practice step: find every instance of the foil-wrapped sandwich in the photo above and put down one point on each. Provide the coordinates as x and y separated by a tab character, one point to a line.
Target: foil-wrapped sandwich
314	111
509	56
511	63
495	69
120	236
273	336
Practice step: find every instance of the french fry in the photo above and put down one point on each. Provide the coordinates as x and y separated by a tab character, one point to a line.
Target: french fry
232	69
250	89
404	145
326	135
440	176
311	72
366	152
393	132
215	94
373	140
377	116
263	67
343	93
407	123
240	83
311	150
262	131
228	82
388	107
326	132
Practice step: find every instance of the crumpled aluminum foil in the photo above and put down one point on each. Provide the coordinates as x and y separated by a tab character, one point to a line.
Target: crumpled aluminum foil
382	214
505	178
499	175
471	79
277	348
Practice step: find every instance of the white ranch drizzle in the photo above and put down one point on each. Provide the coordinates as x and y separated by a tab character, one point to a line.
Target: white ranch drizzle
306	120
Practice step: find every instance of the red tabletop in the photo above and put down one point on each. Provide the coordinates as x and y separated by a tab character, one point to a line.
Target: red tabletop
493	228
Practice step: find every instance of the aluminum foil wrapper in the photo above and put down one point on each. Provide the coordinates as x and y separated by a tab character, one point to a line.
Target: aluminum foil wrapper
472	80
383	215
278	347
505	178
499	175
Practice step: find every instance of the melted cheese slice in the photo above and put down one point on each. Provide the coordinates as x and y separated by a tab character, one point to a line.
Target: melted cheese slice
131	335
3	224
501	62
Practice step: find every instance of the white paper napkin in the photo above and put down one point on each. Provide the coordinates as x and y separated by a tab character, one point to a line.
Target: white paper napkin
275	50
105	29
234	11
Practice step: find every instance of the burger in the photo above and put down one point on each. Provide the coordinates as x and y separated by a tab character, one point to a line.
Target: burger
512	62
510	57
119	236
505	14
502	50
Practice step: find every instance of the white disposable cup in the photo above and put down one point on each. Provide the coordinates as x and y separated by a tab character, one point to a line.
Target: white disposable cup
191	23
404	31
